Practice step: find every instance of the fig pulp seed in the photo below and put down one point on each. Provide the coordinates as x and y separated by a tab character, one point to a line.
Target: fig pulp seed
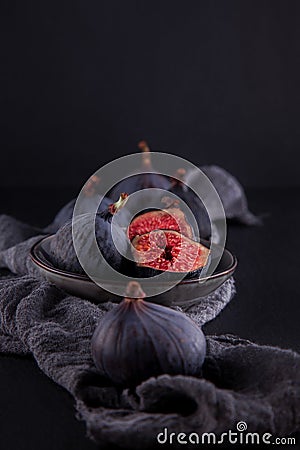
169	251
173	219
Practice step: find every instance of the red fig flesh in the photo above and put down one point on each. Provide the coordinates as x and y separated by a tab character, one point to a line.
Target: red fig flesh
166	250
164	219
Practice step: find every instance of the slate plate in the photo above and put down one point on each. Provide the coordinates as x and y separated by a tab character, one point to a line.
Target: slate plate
188	292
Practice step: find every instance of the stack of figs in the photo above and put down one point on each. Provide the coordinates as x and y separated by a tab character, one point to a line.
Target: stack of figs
138	339
158	241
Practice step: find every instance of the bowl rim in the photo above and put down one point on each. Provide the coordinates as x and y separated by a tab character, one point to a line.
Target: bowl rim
72	275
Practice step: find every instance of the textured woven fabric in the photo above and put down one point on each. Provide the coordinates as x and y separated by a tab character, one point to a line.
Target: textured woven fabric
241	380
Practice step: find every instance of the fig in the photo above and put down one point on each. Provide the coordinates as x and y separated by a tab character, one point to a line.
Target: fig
144	179
62	252
179	188
170	218
168	251
90	201
231	194
138	339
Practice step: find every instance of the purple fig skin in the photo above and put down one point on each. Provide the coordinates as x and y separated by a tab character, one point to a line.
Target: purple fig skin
137	340
65	214
187	195
138	182
147	178
62	252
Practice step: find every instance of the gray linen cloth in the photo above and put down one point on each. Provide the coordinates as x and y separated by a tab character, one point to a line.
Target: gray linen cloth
241	380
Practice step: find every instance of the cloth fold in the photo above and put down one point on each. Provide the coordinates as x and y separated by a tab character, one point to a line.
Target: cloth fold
241	380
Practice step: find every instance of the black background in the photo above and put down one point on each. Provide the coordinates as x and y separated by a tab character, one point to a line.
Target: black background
213	81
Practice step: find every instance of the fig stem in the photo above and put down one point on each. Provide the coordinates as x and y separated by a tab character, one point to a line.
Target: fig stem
146	162
115	207
134	291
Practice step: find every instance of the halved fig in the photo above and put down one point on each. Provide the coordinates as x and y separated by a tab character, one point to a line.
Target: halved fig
172	218
168	251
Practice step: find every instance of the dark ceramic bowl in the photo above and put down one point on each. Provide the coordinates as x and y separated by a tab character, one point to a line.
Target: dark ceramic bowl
185	293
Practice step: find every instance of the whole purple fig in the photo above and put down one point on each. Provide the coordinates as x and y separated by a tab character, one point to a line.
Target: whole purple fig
138	339
62	251
145	178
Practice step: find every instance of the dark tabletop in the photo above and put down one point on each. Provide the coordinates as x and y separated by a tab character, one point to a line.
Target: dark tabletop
36	414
